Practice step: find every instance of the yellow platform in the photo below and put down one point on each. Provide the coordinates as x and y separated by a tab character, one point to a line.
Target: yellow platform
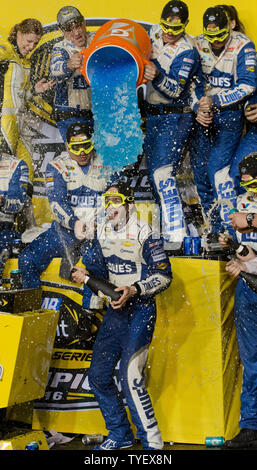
194	372
20	441
26	343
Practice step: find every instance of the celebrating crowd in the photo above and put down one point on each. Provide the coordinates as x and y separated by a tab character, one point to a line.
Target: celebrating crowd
201	95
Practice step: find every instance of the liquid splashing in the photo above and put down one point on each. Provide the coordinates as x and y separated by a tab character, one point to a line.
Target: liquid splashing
118	137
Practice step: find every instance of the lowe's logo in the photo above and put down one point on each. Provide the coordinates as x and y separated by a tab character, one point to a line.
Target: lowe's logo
145	402
117	265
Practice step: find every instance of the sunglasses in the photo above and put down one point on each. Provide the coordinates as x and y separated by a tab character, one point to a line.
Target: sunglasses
217	34
115	199
174	28
78	147
73	25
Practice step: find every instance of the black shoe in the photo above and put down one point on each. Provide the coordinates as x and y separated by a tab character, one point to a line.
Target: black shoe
246	438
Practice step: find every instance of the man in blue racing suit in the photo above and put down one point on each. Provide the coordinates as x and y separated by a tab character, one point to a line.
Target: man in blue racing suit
246	308
14	180
175	62
72	96
248	143
134	261
228	61
73	181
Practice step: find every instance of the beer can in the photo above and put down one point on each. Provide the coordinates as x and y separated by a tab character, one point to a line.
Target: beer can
15	279
215	441
92	439
196	246
32	446
16	247
187	245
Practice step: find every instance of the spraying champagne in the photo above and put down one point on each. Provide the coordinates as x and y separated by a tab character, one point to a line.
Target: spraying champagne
242	250
101	287
4	255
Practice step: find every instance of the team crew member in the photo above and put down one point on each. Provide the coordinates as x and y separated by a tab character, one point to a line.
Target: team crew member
169	118
229	67
13	190
73	183
17	89
248	143
137	264
246	310
72	98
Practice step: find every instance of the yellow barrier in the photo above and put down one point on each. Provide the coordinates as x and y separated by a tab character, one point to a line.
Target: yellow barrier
20	441
194	367
25	352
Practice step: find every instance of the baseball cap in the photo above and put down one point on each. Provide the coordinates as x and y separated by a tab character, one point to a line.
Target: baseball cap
78	128
175	8
216	15
248	166
68	15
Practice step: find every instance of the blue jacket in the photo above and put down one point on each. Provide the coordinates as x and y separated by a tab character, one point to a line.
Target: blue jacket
179	66
229	78
14	178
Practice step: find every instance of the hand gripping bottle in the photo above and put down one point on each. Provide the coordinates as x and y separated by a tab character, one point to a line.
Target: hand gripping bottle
102	287
242	250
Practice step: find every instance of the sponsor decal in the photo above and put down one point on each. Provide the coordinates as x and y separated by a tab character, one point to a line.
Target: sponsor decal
116	266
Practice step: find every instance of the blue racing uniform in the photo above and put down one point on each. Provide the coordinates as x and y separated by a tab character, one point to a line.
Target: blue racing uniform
72	101
230	79
245	311
14	178
131	255
169	120
248	144
72	191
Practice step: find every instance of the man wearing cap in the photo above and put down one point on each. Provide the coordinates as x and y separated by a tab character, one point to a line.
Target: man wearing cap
228	61
168	106
14	179
72	97
73	183
248	143
245	307
137	264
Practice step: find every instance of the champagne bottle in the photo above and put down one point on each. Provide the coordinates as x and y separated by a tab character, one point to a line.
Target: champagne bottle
241	250
102	287
249	278
4	255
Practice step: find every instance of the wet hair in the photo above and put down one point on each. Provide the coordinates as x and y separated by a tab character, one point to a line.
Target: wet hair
233	16
78	128
28	26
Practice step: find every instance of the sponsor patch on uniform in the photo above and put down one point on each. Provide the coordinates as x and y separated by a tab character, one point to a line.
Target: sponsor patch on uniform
190	61
162	266
183	73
